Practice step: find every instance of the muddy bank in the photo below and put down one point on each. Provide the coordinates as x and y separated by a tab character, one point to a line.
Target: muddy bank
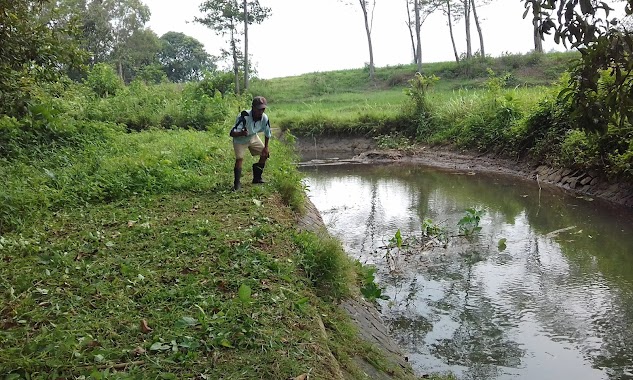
337	150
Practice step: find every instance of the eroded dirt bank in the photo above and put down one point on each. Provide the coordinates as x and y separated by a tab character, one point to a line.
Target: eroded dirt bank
341	149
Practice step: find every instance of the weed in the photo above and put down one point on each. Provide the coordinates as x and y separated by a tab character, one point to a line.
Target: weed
469	223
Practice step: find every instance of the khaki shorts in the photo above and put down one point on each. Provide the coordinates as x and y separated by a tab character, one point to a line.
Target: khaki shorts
255	146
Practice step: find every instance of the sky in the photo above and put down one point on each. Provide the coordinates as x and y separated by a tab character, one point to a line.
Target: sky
304	36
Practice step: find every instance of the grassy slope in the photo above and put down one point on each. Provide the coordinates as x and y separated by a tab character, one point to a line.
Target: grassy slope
346	95
145	266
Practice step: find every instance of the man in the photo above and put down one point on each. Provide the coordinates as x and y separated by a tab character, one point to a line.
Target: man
245	136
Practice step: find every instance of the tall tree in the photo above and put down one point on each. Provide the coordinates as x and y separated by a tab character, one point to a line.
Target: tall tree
466	7
142	49
253	13
450	28
367	7
422	9
106	26
127	17
368	17
224	17
536	21
604	46
482	51
183	57
453	10
246	61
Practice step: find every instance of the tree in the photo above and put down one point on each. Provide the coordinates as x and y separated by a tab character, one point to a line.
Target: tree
225	16
32	51
466	7
482	51
253	13
368	17
605	47
106	26
450	28
142	49
183	57
127	17
421	10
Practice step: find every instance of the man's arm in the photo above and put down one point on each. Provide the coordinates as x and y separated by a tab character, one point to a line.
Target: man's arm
265	150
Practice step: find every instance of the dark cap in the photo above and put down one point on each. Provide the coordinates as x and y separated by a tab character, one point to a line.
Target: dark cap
259	102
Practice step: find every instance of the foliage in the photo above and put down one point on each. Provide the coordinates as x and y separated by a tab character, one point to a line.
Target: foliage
603	46
142	49
183	58
213	81
469	223
33	52
103	80
152	74
370	290
395	140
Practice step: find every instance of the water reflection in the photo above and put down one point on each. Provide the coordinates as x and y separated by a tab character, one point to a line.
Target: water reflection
557	302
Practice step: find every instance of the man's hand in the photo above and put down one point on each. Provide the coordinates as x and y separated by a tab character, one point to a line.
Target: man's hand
244	132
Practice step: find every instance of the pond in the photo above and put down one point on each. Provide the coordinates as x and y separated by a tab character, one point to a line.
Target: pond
543	291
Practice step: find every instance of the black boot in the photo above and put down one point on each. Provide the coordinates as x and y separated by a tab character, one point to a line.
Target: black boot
236	182
258	170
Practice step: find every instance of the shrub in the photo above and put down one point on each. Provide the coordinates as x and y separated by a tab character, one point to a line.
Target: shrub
103	80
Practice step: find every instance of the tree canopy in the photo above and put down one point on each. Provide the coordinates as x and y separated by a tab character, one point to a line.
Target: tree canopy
183	57
605	45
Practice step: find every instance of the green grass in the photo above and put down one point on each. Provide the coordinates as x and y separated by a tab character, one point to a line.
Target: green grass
130	258
345	101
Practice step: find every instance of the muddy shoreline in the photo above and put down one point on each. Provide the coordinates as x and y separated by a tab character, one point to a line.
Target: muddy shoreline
357	150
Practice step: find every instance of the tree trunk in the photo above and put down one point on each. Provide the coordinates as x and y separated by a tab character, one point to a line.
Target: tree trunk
368	24
538	42
246	63
415	55
450	28
418	26
236	71
481	36
469	49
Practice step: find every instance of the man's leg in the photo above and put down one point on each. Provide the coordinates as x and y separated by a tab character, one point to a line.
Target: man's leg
256	148
258	170
237	174
237	169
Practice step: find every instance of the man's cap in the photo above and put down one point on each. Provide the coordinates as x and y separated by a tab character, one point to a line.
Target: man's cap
259	102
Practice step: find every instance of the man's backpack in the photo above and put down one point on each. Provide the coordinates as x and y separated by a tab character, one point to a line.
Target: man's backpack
240	120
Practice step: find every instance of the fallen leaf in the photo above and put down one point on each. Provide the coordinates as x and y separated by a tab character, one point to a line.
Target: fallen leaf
138	351
145	328
302	377
131	223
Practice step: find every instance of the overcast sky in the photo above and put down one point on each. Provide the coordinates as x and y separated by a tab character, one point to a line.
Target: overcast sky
305	36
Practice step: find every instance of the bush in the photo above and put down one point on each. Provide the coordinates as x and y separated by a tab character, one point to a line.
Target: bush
103	80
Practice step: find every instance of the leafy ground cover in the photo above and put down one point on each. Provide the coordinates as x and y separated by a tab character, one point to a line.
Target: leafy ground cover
126	255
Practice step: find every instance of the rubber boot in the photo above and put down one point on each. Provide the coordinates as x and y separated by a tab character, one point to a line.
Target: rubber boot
258	170
237	173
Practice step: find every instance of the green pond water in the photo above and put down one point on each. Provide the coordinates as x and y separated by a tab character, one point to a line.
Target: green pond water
555	303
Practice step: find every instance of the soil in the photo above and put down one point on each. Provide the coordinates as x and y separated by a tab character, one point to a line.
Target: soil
343	150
